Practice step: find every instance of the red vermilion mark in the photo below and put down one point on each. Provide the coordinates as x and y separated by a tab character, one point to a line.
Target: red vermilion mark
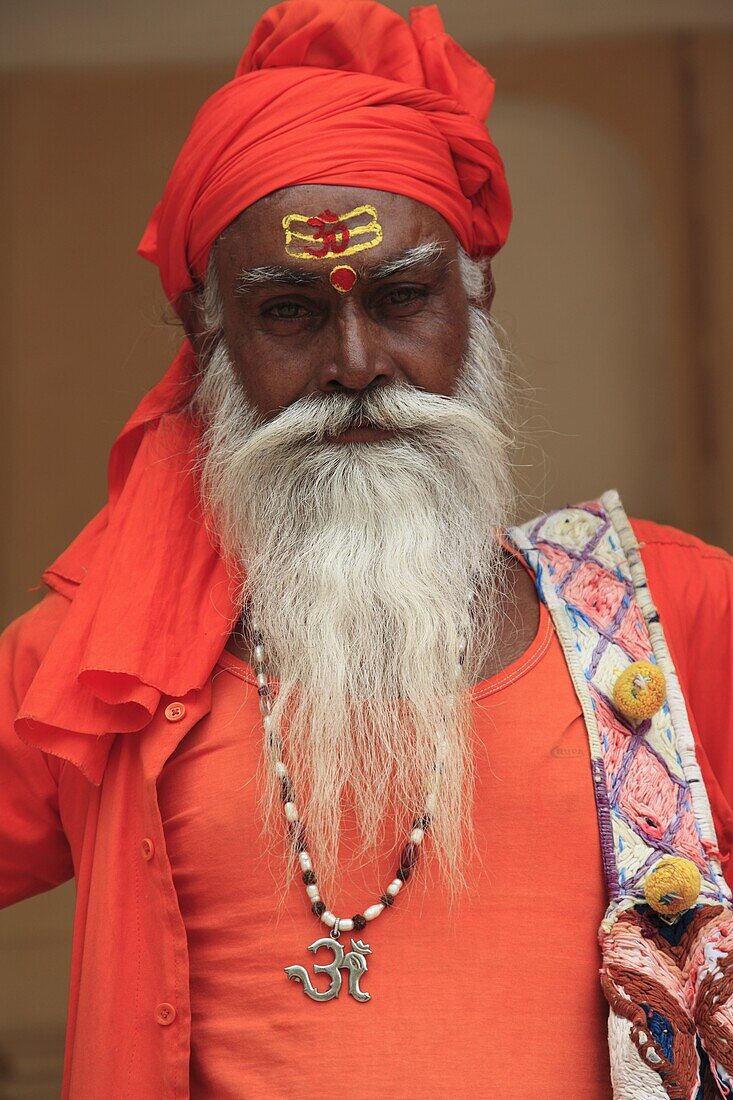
342	278
328	228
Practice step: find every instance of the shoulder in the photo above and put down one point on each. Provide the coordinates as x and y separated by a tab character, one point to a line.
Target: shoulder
24	643
691	585
660	541
682	570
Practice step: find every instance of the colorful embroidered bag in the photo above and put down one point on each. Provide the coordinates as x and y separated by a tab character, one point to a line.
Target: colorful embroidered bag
667	936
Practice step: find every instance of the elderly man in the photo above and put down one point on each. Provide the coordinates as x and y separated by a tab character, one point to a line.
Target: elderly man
294	688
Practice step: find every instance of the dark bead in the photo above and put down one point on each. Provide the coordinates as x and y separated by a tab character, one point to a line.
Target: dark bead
360	921
309	878
257	638
319	908
410	855
422	822
264	690
403	873
387	899
286	790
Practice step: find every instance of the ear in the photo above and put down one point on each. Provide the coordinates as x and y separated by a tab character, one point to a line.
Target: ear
488	297
188	309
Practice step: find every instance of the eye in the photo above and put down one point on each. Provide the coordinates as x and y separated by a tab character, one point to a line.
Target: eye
286	311
404	295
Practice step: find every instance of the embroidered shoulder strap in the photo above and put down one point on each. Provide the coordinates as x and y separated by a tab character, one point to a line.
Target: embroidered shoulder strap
667	936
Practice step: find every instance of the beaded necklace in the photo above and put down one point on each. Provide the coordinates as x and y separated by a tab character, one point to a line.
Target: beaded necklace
353	961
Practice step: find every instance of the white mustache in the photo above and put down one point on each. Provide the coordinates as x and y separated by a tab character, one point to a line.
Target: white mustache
395	407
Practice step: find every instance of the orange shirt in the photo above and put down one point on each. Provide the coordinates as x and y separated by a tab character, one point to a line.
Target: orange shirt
179	943
460	998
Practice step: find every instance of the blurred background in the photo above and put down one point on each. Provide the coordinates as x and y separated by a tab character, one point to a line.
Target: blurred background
615	288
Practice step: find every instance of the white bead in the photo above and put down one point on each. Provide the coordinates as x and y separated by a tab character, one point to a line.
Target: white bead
431	802
394	887
261	680
280	770
305	861
269	724
312	892
346	924
328	918
291	811
259	654
416	836
373	911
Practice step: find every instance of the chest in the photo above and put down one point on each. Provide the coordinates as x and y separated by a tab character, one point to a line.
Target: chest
531	764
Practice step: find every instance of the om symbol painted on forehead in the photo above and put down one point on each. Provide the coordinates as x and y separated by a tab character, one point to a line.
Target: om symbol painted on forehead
327	235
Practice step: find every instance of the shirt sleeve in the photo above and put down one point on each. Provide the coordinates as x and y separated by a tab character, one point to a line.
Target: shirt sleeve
34	852
691	584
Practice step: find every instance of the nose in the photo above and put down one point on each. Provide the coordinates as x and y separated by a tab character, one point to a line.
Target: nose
354	358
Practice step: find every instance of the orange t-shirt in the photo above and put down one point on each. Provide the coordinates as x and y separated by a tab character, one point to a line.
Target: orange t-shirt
499	997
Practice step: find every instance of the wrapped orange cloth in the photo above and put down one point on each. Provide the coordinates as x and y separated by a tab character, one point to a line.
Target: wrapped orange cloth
339	92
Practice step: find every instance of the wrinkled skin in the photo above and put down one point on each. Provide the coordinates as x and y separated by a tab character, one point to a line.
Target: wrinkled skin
288	340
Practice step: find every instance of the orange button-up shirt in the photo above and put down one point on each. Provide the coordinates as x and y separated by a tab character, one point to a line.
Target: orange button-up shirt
504	991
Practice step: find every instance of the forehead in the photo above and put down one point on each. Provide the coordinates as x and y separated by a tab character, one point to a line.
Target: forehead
259	237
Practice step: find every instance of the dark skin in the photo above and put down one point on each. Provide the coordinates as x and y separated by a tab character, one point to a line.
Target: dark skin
291	334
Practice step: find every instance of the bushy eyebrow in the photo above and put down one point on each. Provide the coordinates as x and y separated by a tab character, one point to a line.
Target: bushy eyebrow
274	274
419	256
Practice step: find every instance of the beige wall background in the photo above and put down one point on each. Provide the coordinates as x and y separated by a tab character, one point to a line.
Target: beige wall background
615	288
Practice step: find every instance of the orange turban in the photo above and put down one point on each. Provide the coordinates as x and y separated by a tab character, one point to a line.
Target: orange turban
336	92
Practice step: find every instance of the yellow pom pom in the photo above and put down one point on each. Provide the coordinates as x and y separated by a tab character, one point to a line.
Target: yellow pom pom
672	886
640	691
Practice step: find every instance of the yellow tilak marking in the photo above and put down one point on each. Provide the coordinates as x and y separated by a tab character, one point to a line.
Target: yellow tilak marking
326	235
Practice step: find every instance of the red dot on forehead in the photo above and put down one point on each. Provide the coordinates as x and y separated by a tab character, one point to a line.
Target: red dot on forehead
342	278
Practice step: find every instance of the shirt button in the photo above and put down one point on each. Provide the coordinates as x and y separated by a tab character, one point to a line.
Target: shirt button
147	848
175	711
165	1014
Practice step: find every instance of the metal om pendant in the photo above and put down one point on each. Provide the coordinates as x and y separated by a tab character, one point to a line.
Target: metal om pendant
353	961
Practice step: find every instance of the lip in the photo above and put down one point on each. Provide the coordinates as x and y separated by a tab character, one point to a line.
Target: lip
362	435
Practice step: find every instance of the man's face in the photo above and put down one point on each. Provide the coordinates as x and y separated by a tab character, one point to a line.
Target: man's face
369	564
292	332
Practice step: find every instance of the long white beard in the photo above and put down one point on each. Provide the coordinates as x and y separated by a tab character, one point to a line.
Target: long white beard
369	569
